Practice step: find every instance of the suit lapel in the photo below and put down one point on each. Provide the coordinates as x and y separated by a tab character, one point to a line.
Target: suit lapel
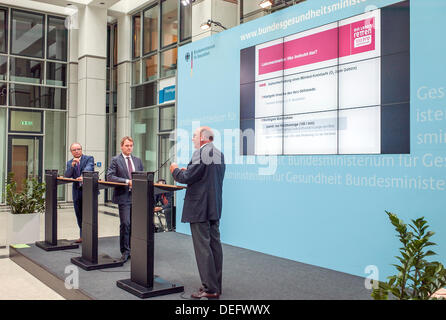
82	163
124	166
135	164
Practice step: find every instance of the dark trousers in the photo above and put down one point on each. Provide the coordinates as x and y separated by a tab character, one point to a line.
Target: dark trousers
125	228
208	254
77	202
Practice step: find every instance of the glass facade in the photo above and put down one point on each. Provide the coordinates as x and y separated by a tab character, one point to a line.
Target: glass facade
144	134
57	39
150	29
159	36
3	135
150	68
56	74
27	33
3	30
169	27
169	62
26	70
166	24
33	93
185	22
55	144
111	101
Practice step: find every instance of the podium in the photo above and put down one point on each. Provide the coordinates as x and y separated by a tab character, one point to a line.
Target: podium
51	242
90	259
143	283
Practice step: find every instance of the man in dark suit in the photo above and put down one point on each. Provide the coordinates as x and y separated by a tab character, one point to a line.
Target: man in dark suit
75	167
202	209
120	170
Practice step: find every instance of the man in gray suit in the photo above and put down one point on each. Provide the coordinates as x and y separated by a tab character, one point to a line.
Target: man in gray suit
120	170
202	209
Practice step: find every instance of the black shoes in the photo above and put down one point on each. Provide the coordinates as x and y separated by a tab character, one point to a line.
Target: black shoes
204	294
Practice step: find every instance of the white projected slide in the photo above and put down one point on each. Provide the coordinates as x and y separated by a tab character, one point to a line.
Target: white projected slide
318	91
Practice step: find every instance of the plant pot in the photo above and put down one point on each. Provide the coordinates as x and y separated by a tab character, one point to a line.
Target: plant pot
23	228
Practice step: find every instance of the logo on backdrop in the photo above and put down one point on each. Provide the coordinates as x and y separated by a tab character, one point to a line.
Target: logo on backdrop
197	54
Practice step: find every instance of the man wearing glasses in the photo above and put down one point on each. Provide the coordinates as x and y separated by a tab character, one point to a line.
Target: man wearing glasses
75	167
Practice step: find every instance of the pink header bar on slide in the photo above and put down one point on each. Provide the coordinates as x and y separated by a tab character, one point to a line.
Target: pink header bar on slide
353	38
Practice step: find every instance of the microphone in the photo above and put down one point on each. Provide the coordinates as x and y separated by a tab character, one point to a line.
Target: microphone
105	169
163	164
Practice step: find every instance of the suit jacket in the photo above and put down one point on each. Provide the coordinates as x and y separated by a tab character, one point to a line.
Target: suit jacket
204	178
86	164
118	172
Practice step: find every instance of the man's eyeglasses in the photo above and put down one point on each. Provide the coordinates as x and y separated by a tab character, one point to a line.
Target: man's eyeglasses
78	149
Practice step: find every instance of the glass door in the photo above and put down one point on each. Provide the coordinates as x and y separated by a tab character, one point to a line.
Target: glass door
25	158
165	153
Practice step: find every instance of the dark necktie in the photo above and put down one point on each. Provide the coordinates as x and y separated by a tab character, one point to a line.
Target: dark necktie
129	165
78	170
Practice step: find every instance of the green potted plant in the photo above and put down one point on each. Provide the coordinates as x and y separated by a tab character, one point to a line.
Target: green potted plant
23	224
417	277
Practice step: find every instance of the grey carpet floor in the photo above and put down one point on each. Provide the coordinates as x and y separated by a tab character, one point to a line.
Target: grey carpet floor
247	275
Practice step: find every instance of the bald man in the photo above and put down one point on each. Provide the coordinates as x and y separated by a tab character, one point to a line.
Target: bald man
202	209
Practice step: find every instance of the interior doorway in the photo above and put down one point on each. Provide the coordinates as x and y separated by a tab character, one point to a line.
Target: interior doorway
25	158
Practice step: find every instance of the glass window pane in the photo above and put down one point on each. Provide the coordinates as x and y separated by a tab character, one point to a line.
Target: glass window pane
2	153
3	67
186	22
136	35
150	68
3	93
108	79
107	102
25	70
151	29
108	45
144	133
37	97
24	95
55	148
166	151
3	30
54	98
27	33
115	79
57	39
167	119
56	74
115	44
25	121
115	102
169	18
136	72
169	62
143	96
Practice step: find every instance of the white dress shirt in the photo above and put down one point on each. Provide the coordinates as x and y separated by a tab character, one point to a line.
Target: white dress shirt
127	164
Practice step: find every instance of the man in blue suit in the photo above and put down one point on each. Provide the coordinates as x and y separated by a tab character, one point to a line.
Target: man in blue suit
75	167
120	170
202	209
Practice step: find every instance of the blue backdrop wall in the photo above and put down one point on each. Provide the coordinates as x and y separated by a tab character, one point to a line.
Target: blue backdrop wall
286	206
